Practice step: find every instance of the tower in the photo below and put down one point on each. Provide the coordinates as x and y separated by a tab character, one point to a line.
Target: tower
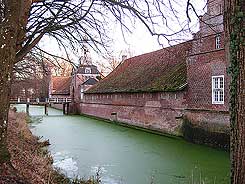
206	65
85	59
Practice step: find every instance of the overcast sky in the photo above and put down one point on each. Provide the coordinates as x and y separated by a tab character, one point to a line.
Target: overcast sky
139	41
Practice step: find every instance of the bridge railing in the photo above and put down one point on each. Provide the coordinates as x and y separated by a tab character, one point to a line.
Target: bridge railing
58	100
40	100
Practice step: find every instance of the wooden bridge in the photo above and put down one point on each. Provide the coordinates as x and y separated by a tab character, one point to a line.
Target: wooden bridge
46	102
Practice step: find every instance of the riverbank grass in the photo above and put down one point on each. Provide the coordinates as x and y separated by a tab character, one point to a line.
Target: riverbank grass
29	162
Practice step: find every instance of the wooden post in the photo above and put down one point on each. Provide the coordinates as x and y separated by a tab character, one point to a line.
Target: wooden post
67	108
64	108
27	108
46	109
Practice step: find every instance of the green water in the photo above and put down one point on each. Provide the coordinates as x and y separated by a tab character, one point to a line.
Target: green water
81	145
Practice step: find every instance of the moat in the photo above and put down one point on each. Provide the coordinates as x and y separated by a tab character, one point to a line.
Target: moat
80	146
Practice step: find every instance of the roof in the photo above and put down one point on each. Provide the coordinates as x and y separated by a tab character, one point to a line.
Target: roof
61	85
81	69
90	81
162	70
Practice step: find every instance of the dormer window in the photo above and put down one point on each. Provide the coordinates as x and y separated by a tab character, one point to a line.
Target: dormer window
88	70
218	42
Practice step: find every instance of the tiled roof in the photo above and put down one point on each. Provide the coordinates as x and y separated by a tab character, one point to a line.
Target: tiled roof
90	81
61	85
162	70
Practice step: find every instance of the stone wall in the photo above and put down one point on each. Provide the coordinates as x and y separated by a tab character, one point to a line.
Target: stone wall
165	112
57	106
72	107
207	127
161	112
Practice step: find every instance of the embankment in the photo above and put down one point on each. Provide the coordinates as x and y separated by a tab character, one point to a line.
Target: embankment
30	163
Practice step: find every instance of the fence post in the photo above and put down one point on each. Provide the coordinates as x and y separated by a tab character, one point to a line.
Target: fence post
46	109
67	108
27	108
64	108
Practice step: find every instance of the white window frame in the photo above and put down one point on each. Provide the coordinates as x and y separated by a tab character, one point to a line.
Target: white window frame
218	91
81	93
88	71
218	41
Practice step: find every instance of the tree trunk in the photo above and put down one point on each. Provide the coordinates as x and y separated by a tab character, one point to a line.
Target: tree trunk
13	22
5	73
8	36
234	28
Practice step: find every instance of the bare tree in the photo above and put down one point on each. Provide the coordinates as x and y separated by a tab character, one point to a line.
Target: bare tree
108	65
72	23
60	68
31	77
31	66
111	60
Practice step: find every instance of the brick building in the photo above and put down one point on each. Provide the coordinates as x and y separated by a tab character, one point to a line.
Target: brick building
208	82
82	79
180	90
73	86
59	87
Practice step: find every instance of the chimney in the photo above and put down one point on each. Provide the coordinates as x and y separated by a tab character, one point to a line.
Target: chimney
124	57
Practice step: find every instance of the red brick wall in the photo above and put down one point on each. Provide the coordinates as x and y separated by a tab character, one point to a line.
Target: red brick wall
156	111
205	61
200	69
212	21
77	80
163	111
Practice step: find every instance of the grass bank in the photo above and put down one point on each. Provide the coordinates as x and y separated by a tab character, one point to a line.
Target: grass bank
30	163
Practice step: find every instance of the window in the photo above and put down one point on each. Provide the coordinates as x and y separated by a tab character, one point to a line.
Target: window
217	42
218	89
87	70
31	91
23	91
82	93
220	9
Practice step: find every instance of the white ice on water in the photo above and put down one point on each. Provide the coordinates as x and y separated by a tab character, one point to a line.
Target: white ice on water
66	164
